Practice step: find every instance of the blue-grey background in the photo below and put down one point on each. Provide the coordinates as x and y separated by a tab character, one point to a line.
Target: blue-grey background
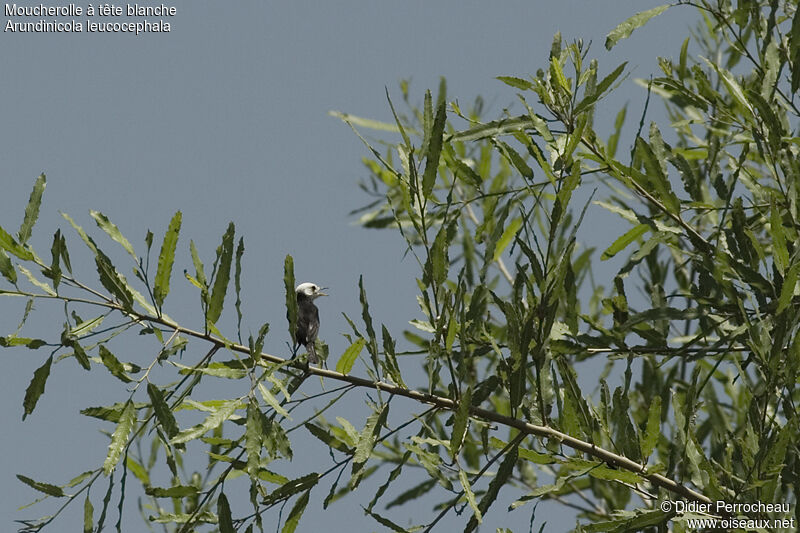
226	118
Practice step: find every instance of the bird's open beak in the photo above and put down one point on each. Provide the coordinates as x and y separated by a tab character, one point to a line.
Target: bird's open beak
320	293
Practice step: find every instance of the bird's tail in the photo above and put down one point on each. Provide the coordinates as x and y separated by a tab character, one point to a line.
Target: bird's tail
312	353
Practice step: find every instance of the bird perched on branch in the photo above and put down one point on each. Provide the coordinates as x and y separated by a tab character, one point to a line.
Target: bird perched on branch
308	317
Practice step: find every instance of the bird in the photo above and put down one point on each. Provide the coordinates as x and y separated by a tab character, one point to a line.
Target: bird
308	317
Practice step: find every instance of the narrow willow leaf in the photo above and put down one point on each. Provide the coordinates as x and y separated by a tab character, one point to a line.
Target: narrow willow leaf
462	477
162	411
178	491
113	364
253	437
32	209
503	473
113	231
505	239
439	258
517	83
237	285
137	470
389	351
366	442
7	242
385	522
80	355
624	30
460	422
780	251
348	358
120	438
166	259
7	268
36	387
515	159
216	418
112	280
789	285
653	429
112	413
88	515
624	240
296	513
220	287
327	438
494	129
86	327
291	296
272	401
435	144
364	122
47	488
601	87
224	514
292	487
13	340
42	285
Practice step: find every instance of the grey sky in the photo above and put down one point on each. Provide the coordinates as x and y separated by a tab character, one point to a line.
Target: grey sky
225	118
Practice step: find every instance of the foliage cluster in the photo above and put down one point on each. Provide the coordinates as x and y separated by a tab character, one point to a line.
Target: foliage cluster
702	317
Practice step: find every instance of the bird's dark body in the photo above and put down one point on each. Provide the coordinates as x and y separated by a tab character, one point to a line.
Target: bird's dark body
307	325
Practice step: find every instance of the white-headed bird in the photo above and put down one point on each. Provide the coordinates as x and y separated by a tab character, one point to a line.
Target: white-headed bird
308	317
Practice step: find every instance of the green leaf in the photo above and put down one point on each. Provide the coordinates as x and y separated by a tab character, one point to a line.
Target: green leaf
779	249
224	513
88	512
113	231
435	145
296	513
503	473
517	83
462	477
292	487
253	437
47	488
113	364
86	327
32	209
653	429
42	285
601	87
460	422
223	276
623	241
112	280
162	411
329	440
120	438
36	387
178	491
366	442
789	285
237	285
494	128
217	417
272	401
7	268
348	358
505	239
624	30
291	296
166	259
7	242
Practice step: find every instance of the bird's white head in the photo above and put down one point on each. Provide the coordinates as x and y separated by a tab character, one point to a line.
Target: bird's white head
310	290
